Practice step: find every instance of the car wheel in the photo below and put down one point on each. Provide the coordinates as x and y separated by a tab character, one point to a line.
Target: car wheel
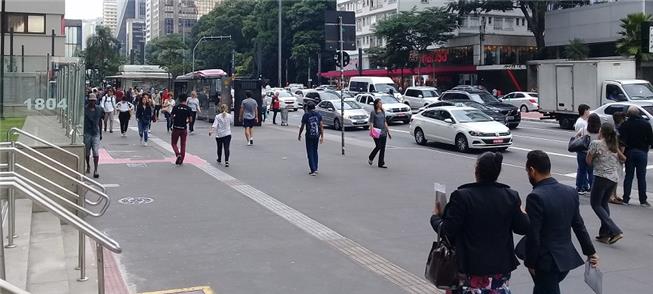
461	143
419	137
295	109
366	127
523	108
408	104
512	127
336	124
406	121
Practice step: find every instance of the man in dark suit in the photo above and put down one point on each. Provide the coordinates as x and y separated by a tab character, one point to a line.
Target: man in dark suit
553	210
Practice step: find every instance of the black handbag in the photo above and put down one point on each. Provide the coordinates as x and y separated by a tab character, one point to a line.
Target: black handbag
579	144
441	265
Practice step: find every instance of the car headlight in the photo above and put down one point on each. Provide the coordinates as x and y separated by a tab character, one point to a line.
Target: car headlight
347	116
481	134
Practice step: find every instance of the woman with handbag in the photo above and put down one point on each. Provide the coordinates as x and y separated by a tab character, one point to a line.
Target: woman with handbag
584	176
479	222
380	133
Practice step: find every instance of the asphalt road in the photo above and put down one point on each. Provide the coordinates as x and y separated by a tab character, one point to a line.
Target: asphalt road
264	226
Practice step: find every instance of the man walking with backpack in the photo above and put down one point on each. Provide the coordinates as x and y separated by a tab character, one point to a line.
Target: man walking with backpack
312	121
108	103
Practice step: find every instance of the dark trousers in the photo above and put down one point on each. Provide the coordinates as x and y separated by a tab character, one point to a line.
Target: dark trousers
584	172
191	126
548	282
636	161
311	152
274	117
123	117
379	148
176	135
168	120
599	198
223	142
157	109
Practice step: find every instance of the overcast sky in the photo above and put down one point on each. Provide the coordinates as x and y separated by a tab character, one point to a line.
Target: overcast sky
83	9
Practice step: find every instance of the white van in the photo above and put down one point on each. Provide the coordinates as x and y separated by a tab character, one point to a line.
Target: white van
373	84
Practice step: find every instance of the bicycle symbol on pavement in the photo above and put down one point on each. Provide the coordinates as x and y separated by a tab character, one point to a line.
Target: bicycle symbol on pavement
135	200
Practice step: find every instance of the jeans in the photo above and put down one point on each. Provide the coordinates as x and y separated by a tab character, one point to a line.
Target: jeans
599	197
311	152
380	148
176	135
124	121
636	160
223	141
108	117
191	126
168	120
584	173
143	127
548	282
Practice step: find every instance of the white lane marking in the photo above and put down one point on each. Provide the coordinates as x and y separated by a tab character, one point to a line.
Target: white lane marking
400	131
373	262
111	185
539	138
571	175
547	152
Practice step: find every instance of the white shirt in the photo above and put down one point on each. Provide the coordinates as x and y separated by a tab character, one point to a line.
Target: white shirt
108	103
580	124
124	106
222	125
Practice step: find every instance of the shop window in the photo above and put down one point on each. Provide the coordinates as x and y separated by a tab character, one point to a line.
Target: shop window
25	23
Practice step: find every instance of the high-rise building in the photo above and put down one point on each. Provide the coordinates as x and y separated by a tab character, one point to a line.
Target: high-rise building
110	15
170	17
73	32
88	29
131	28
205	6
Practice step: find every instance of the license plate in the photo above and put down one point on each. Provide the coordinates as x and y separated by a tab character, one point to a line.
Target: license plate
510	118
401	114
497	141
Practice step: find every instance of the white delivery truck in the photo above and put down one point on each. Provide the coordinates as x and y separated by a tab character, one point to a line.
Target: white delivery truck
564	84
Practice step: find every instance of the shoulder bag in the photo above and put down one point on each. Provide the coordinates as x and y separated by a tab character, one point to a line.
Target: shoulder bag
579	144
441	265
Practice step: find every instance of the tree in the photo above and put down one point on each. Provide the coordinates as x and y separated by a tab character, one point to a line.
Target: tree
433	26
630	43
167	52
533	11
102	56
577	50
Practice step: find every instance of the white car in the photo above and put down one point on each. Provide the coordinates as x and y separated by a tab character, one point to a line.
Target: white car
606	111
355	116
464	127
288	100
394	111
525	101
417	97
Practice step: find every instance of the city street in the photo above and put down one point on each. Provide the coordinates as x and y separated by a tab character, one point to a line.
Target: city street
263	225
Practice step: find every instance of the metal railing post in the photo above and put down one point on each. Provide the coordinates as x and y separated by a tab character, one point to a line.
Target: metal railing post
100	267
81	258
11	224
2	252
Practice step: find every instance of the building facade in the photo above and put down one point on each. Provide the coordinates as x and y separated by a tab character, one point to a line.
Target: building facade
172	17
205	6
73	42
110	15
131	29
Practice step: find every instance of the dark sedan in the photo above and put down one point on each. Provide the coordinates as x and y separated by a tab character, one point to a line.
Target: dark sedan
511	114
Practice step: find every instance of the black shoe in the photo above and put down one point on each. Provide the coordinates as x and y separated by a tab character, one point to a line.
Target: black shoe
96	175
226	163
178	161
219	161
111	132
382	166
645	204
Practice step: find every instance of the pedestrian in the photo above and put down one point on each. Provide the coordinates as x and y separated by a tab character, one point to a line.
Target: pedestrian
480	220
637	135
168	104
108	103
181	115
119	94
604	156
92	130
312	121
125	109
588	125
553	209
249	116
618	118
378	122
157	104
276	107
264	110
194	105
284	116
222	127
144	113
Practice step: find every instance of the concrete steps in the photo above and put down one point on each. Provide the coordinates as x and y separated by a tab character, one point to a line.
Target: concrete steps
70	236
47	266
17	258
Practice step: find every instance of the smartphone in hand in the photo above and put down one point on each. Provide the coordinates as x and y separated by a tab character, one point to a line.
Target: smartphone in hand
440	197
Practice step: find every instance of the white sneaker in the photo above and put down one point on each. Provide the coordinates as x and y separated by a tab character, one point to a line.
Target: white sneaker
145	144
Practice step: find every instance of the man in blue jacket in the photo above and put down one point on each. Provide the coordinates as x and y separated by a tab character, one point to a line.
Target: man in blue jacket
553	211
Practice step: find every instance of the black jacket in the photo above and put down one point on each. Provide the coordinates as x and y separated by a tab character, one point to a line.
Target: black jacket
636	133
553	210
480	219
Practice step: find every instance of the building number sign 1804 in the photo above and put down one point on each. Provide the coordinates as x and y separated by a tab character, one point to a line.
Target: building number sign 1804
45	104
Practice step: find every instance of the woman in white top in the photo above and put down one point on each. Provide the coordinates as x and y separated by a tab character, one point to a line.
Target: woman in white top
168	104
124	109
157	104
222	127
194	104
584	174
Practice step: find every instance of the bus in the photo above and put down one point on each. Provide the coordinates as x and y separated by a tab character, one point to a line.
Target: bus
213	86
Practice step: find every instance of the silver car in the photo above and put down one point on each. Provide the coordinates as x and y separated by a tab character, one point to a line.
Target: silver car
355	116
394	111
606	111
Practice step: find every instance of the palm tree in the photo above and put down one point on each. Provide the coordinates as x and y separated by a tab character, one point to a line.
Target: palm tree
577	50
630	43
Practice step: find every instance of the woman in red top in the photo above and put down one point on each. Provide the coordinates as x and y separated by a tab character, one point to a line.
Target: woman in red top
276	106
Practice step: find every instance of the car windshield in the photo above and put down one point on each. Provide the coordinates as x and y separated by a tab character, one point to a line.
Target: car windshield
430	93
476	105
285	94
329	96
470	115
348	105
387	99
533	95
385	88
483	97
639	91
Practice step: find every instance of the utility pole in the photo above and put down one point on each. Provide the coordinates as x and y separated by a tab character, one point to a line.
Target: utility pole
342	85
308	72
279	53
207	38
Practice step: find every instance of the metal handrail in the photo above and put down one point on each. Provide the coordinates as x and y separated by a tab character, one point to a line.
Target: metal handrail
11	288
46	190
102	195
85	229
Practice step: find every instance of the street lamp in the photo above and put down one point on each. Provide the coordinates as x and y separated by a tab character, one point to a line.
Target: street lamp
207	38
